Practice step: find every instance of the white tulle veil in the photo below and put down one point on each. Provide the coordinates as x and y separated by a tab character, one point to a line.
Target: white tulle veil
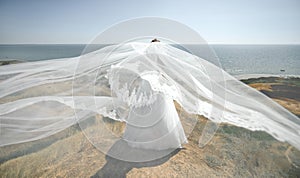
39	99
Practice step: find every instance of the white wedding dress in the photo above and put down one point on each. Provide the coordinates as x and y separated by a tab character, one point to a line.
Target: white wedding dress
154	125
135	83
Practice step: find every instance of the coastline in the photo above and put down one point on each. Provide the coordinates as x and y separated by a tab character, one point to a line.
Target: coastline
239	77
283	90
257	76
10	61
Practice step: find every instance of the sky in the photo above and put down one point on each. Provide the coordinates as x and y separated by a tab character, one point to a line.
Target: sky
217	21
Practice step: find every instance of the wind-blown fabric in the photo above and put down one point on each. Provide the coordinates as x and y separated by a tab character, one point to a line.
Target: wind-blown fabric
39	99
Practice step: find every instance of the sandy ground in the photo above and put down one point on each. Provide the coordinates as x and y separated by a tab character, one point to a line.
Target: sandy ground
286	92
233	151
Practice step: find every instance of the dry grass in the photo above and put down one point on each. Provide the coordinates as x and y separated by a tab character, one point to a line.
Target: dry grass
233	152
261	86
290	104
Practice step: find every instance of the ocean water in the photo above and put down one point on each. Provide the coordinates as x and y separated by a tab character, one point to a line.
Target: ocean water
235	59
29	52
259	59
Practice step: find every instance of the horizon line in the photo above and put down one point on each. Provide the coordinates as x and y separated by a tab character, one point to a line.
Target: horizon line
174	43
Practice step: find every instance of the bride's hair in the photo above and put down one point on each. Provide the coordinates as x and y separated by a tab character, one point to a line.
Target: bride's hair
155	40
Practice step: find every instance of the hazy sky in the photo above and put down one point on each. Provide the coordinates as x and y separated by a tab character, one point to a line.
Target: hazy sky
217	21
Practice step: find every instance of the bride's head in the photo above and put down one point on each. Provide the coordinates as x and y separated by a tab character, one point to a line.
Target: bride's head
154	40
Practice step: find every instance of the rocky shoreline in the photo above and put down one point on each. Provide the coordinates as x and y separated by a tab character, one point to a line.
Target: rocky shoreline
8	62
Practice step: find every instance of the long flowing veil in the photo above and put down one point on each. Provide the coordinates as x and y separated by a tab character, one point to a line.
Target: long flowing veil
38	99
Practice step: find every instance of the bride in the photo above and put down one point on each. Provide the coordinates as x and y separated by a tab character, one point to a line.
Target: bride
138	85
152	122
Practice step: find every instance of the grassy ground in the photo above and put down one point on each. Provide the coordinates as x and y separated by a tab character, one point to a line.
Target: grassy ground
233	152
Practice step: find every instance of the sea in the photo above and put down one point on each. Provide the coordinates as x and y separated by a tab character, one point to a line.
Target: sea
238	60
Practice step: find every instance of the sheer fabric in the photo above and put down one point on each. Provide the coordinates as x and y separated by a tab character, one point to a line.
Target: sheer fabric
135	83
